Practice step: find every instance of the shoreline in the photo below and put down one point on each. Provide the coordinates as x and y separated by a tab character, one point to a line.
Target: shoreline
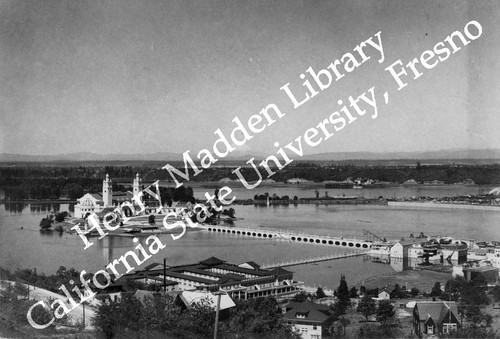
434	205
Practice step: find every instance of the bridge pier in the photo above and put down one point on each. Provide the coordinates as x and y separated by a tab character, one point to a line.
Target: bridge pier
303	238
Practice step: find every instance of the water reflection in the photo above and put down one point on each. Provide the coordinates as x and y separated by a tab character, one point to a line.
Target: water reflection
405	264
15	207
24	207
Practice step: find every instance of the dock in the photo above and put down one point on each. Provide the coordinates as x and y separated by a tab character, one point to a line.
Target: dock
314	260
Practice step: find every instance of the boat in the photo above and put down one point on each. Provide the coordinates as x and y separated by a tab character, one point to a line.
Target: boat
357	187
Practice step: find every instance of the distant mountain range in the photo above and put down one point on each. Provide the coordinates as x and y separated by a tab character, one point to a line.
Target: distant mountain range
451	154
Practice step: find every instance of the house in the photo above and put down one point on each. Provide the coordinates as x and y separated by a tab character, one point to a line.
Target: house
309	319
384	294
435	317
400	249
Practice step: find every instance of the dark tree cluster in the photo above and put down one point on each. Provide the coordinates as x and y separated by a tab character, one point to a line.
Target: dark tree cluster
162	316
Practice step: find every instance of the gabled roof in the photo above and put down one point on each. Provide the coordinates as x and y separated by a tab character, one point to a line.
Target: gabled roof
408	242
385	289
315	313
191	297
251	264
437	310
212	261
96	196
279	271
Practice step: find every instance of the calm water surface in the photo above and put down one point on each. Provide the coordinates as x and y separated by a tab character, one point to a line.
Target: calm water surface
22	245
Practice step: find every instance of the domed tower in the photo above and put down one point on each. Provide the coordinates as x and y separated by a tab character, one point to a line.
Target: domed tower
107	191
137	185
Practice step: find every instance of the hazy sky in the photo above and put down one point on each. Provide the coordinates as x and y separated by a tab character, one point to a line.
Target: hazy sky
162	76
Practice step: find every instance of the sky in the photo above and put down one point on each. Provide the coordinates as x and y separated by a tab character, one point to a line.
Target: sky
163	76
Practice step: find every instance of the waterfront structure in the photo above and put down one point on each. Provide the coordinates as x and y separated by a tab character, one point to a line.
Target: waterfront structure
298	237
244	281
96	203
475	272
381	248
435	317
400	249
297	181
310	320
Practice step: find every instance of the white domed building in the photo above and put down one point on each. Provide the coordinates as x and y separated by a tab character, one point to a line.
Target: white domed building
96	203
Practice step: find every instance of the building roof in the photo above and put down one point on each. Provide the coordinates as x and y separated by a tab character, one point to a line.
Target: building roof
96	196
311	312
212	261
436	310
481	269
408	242
385	289
191	297
279	271
251	264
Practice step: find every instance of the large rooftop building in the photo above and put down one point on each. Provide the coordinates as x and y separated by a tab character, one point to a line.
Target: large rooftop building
244	281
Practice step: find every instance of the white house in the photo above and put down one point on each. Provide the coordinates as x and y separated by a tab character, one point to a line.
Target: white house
401	248
384	294
310	320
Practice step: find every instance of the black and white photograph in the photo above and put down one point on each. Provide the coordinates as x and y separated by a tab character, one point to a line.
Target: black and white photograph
249	169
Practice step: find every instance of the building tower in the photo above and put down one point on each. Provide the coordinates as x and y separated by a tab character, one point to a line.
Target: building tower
137	185
107	192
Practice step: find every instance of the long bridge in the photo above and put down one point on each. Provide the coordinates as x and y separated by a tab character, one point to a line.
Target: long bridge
319	259
291	236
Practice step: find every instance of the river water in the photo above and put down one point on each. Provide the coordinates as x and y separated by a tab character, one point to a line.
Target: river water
23	246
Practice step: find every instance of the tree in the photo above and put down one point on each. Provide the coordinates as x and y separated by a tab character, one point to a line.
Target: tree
385	311
343	293
61	216
320	293
436	290
46	223
260	317
366	306
472	332
496	293
414	292
229	212
398	292
301	296
353	292
75	191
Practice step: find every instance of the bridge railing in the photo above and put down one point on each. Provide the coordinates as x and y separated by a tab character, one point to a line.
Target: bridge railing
285	232
317	259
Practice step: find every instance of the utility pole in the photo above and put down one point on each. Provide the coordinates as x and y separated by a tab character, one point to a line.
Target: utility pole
218	294
83	304
164	274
